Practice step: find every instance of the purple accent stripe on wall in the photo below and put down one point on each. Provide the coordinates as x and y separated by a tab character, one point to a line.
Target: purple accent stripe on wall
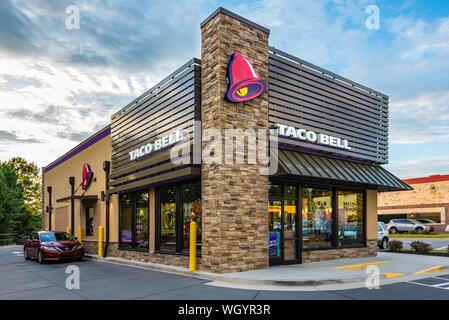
84	145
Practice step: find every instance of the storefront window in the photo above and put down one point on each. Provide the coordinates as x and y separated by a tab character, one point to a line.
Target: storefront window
168	217
134	222
316	218
275	190
191	211
350	218
290	192
89	221
180	204
126	212
142	225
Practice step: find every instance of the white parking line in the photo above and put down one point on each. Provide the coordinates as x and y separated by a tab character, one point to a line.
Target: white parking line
438	286
442	285
441	278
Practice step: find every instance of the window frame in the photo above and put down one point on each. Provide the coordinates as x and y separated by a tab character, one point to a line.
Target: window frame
179	250
298	221
133	221
334	189
363	192
87	215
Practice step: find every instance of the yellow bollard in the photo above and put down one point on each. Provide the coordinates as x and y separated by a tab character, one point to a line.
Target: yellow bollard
68	230
193	227
100	241
80	234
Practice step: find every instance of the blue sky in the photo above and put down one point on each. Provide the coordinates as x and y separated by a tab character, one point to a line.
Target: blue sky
58	86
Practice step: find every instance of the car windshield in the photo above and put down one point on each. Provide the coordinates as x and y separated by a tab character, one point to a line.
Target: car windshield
426	221
55	236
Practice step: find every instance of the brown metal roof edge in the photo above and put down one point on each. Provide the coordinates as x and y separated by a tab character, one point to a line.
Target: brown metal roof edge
367	173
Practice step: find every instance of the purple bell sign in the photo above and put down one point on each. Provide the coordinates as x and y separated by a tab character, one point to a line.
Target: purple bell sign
87	176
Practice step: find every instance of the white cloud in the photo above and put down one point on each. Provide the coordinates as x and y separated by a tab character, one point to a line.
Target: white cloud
79	78
419	168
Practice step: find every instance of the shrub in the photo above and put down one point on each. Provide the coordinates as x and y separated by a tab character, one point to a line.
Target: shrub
425	232
448	249
412	232
421	247
395	245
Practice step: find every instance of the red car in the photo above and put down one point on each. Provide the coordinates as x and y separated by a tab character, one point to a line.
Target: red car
52	245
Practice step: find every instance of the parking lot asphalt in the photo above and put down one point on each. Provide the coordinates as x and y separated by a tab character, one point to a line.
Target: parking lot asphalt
21	279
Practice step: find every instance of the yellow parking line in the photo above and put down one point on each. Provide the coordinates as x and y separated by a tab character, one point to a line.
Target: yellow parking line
429	270
390	275
362	266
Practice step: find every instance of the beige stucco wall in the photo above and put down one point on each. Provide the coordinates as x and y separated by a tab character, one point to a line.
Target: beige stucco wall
423	193
58	179
425	198
371	214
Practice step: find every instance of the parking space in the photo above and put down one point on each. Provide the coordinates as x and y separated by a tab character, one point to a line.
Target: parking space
22	279
438	282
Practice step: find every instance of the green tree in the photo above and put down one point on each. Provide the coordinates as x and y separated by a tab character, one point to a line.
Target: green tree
28	175
20	200
12	203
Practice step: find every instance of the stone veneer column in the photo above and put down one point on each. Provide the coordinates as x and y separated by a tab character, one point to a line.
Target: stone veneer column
234	197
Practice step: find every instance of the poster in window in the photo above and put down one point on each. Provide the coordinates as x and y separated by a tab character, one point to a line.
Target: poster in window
274	247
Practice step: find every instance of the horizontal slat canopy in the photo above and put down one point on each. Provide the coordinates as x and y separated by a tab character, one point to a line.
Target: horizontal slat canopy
319	167
306	96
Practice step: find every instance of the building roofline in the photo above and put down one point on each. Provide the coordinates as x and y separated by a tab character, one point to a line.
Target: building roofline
435	178
80	147
235	16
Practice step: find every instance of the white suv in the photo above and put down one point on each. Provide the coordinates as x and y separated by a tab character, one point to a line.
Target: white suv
406	225
382	235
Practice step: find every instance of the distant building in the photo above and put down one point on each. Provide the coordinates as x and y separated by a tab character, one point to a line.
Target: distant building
429	199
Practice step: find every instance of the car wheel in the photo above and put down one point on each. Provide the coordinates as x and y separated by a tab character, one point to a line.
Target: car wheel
384	243
393	230
419	230
39	257
25	254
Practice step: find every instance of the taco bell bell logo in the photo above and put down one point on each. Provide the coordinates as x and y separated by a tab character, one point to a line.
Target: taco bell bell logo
243	82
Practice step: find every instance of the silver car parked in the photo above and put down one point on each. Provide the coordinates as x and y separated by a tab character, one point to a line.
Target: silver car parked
382	235
406	225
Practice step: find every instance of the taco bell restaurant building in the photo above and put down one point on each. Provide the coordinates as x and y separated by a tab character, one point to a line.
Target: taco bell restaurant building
319	204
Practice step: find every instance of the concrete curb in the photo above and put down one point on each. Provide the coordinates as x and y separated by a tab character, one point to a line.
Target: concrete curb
226	278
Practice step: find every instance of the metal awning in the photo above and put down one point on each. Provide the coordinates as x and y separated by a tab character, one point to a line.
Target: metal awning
82	198
309	167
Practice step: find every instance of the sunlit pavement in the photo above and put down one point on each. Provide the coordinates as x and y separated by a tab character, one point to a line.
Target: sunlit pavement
20	279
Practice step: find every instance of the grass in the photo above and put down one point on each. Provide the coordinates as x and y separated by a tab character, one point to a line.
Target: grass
437	251
406	235
432	251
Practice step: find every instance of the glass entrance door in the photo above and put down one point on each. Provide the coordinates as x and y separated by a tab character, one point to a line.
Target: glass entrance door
290	238
275	229
284	241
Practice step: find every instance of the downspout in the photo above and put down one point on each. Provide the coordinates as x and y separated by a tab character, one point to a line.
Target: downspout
106	168
72	203
49	208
